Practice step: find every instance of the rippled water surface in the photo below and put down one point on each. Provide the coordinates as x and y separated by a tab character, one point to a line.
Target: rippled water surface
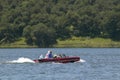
95	64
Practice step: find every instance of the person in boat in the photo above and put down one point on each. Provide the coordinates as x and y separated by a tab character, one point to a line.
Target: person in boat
63	55
41	56
59	56
54	56
49	54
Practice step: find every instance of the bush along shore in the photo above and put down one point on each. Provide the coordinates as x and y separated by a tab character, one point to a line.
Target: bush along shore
80	42
74	42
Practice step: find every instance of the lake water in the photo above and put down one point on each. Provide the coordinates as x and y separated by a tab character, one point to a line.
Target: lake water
95	64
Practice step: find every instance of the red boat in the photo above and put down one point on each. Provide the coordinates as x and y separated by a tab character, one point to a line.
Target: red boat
58	60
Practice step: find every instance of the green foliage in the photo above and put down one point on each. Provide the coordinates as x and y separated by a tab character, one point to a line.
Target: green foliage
64	18
113	26
87	42
40	35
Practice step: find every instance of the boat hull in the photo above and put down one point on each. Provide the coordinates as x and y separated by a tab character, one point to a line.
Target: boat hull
58	60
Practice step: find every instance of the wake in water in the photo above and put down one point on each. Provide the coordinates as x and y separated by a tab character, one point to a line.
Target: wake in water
21	60
81	60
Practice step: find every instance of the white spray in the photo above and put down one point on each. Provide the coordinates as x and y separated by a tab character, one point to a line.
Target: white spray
22	60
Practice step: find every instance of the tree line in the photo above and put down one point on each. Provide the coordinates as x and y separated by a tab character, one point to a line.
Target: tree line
42	22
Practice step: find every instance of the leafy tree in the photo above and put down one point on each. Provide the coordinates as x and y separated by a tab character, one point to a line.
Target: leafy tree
27	34
7	34
40	35
113	26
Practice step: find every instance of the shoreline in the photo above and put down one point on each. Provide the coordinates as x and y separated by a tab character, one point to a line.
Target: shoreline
74	42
